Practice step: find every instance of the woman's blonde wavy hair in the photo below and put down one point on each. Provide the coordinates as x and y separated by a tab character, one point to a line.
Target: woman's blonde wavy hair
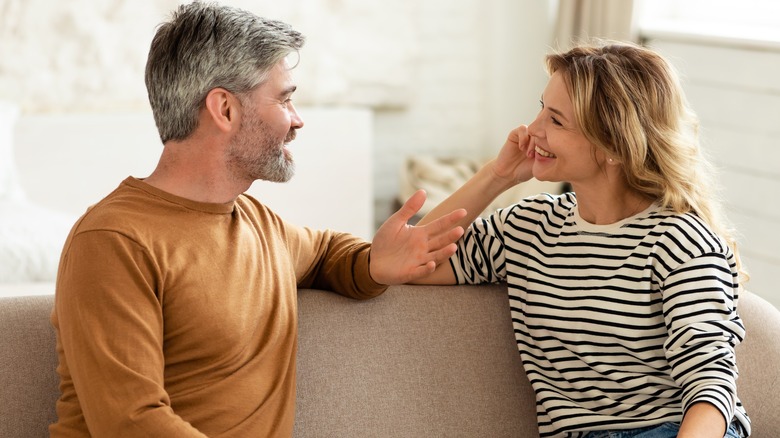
629	103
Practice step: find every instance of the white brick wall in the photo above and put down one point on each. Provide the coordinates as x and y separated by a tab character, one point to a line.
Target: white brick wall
89	55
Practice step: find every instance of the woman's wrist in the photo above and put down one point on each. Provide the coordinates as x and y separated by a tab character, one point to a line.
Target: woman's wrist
495	183
703	420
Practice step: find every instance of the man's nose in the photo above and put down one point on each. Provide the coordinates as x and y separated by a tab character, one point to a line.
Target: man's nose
295	118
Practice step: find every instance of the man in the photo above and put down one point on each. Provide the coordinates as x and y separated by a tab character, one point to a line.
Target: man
175	306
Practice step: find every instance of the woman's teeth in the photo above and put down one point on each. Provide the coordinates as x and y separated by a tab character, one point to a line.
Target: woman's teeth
543	152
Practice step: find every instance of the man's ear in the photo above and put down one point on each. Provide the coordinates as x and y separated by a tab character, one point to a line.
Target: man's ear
223	109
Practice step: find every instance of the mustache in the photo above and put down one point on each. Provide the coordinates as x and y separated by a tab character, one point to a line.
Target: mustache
291	135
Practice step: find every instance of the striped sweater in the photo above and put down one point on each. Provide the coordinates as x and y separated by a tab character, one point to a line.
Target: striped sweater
619	326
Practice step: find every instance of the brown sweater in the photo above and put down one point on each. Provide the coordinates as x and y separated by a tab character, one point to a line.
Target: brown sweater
177	318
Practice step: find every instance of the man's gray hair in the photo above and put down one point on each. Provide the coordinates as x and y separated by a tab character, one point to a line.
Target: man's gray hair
204	46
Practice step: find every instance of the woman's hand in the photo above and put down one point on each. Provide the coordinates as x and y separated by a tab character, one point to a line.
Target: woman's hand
515	161
512	166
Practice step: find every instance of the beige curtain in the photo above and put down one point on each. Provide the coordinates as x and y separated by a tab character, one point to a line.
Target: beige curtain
580	20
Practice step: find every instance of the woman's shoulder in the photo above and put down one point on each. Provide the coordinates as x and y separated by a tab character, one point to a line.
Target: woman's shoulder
686	231
540	208
557	204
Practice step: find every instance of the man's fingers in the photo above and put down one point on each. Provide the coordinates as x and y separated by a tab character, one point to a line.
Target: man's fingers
411	206
444	254
438	257
445	222
443	239
421	271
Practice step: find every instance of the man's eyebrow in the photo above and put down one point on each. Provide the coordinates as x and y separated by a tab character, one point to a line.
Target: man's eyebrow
288	90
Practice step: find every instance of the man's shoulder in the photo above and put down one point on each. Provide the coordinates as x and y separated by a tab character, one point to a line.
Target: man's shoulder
260	213
121	204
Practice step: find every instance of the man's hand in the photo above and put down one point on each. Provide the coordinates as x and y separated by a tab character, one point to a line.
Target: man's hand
401	253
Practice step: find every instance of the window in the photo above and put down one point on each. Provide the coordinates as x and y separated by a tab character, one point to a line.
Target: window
756	21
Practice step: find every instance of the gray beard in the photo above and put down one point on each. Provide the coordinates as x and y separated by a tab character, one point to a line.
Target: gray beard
255	155
277	168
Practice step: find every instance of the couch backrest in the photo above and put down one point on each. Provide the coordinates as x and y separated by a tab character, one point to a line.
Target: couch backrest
416	361
442	361
28	361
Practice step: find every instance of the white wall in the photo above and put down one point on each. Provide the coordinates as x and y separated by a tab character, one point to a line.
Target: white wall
68	162
479	74
443	77
89	55
732	85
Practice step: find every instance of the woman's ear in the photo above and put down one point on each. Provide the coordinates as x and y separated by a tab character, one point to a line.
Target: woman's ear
223	109
610	159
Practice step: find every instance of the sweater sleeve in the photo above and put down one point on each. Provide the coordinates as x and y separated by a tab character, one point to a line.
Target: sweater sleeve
480	257
699	299
110	331
333	261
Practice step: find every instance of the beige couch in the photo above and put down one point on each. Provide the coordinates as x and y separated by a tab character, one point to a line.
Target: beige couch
415	362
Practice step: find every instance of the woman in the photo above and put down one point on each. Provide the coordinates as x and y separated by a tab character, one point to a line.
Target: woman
623	292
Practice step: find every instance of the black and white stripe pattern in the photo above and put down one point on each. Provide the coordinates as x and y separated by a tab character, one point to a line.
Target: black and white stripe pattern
619	326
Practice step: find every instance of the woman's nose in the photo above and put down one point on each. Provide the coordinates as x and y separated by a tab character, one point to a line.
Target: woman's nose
534	128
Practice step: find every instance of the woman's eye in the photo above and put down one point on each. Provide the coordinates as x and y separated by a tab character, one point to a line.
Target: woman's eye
552	118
